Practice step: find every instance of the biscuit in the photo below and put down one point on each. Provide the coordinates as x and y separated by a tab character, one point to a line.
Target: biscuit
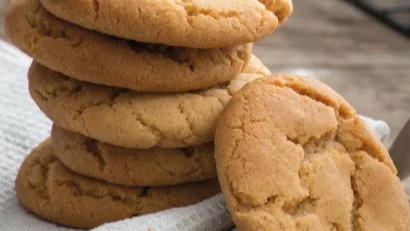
133	167
93	57
130	119
292	154
47	188
197	24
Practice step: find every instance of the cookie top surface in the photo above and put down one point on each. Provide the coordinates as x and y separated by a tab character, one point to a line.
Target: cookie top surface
197	23
132	119
133	167
93	57
292	154
48	189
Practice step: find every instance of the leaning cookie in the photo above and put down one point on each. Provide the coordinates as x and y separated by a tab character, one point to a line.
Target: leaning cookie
292	154
198	24
133	167
130	119
48	189
102	59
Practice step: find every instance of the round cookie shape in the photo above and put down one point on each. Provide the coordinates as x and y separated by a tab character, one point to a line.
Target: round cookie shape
292	154
128	118
196	24
47	188
133	167
93	57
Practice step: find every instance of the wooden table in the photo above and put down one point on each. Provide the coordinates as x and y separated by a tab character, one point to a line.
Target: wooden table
360	58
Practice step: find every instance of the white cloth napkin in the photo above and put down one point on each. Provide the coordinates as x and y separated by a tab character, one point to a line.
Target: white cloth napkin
22	126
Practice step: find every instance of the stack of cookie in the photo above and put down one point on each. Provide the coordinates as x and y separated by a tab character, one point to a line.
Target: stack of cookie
134	89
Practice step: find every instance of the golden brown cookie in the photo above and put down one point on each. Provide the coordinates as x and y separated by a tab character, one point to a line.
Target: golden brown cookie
198	24
130	119
102	59
133	167
292	154
47	188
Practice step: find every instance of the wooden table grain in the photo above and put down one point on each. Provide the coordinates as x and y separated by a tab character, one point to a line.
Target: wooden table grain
366	62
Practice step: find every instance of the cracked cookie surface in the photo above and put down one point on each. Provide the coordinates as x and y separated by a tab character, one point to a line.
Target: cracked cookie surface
127	118
133	167
93	57
292	154
48	189
186	23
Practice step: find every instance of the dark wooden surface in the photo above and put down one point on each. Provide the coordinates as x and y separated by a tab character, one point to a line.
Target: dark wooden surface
3	9
366	62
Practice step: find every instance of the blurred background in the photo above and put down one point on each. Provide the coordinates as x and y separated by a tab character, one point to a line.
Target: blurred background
361	48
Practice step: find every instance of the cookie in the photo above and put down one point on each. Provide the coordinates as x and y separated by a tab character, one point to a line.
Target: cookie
133	167
130	119
197	24
292	154
102	59
47	188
